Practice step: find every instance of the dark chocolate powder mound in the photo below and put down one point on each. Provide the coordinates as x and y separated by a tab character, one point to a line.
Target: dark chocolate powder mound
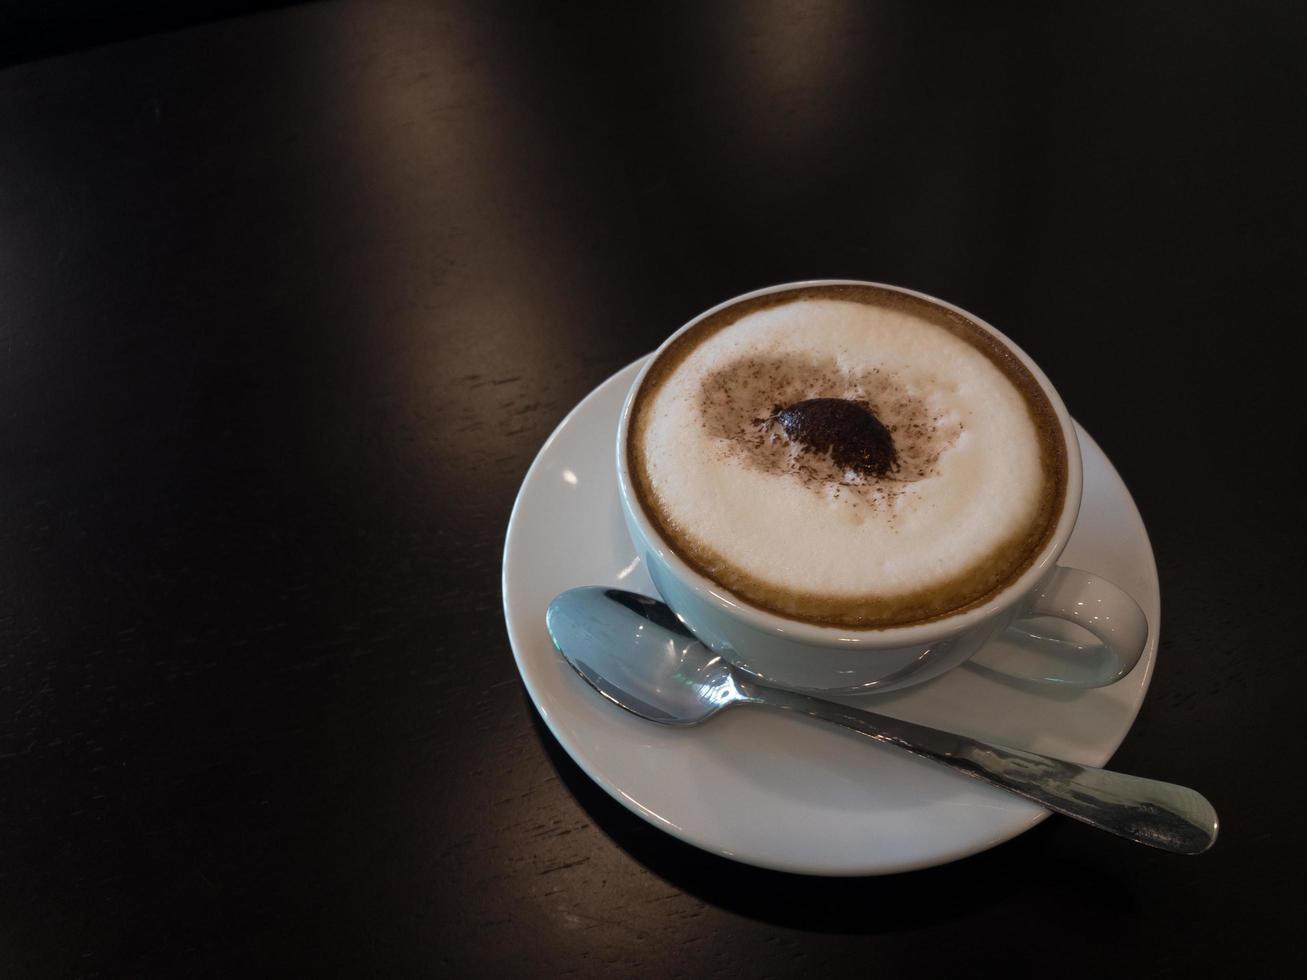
847	431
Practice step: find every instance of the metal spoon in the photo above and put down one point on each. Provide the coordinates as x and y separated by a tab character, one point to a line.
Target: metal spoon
635	652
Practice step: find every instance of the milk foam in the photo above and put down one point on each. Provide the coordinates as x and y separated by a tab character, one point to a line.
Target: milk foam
977	480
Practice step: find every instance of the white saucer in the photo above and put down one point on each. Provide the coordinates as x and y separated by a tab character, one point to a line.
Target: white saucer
778	790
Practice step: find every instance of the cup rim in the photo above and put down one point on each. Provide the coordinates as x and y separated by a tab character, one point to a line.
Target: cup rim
812	634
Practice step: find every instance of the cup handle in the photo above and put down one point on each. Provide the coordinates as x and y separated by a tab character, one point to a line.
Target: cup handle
1088	601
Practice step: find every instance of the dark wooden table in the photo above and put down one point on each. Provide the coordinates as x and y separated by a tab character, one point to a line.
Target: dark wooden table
288	303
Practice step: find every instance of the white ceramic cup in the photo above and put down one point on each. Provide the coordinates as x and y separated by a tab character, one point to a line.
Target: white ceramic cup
838	660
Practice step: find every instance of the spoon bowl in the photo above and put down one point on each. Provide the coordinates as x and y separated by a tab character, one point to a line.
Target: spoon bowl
635	652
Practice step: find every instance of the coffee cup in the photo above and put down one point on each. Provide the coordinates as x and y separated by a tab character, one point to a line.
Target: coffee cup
825	642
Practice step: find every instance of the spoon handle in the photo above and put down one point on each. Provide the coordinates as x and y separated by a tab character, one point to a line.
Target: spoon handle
1163	815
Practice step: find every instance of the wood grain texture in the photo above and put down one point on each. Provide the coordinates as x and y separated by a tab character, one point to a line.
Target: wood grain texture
287	305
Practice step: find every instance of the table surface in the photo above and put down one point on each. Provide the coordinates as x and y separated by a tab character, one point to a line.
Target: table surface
288	303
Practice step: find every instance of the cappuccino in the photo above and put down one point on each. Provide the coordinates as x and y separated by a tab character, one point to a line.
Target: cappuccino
847	455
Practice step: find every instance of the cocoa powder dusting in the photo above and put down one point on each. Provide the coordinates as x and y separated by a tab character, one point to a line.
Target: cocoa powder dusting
855	438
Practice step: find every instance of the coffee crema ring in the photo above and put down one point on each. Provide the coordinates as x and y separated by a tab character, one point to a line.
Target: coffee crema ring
847	455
